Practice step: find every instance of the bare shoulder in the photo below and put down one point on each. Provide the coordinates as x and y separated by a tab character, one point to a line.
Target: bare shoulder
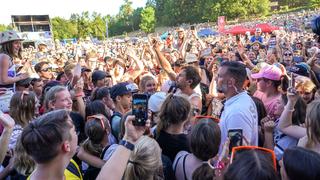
4	58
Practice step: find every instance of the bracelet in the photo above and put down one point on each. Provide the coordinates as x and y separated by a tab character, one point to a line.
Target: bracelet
287	109
79	95
127	144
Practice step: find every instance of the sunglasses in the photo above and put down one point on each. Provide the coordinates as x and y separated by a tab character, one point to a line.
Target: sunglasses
239	149
216	120
101	119
46	69
287	54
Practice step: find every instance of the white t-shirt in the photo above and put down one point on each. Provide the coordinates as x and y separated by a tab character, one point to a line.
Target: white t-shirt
240	112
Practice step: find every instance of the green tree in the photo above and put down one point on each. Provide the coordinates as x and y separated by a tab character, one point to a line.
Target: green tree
3	27
83	23
148	19
63	29
98	25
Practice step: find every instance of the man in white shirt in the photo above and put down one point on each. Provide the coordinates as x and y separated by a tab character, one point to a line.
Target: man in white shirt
239	112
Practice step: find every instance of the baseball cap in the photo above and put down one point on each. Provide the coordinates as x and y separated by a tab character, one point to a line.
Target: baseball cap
85	69
258	30
122	89
98	75
156	100
271	72
300	69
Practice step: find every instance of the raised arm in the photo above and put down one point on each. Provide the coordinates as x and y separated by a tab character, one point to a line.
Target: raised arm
164	63
285	121
8	124
115	167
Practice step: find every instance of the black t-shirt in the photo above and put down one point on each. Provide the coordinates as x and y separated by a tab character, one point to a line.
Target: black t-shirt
79	123
171	144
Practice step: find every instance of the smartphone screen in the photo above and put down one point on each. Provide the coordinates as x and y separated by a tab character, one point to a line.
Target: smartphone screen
140	109
235	136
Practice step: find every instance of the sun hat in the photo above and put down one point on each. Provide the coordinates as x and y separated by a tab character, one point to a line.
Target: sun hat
8	36
271	72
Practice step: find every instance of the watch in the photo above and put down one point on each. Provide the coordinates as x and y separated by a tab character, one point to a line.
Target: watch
127	144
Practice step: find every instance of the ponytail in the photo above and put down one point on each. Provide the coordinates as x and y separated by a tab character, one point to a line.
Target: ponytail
204	172
92	148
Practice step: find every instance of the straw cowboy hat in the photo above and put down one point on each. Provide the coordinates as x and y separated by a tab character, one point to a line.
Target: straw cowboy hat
8	36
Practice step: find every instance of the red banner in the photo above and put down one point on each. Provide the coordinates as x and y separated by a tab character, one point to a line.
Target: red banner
221	23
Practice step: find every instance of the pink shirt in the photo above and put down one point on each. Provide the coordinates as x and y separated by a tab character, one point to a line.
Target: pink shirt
269	103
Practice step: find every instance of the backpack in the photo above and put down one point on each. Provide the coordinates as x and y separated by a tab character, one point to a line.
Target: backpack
115	122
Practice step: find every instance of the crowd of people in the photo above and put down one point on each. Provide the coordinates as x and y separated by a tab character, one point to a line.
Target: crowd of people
223	107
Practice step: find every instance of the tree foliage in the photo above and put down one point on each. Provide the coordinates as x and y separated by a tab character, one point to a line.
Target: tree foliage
148	20
162	13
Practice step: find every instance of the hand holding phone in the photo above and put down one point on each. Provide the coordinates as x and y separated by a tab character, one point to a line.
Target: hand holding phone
140	109
236	138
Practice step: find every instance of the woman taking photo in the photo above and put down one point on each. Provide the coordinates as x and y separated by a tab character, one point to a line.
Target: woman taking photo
10	49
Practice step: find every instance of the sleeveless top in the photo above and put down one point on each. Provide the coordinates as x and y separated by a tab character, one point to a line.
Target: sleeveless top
12	74
72	172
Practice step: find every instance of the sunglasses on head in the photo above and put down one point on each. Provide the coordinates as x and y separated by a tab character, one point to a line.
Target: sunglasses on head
101	119
239	149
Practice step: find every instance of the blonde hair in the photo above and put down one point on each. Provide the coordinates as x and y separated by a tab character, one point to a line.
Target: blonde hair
143	81
22	107
304	84
51	96
145	161
22	162
313	123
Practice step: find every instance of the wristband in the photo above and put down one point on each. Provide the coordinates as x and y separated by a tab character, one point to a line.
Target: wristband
287	109
79	95
127	144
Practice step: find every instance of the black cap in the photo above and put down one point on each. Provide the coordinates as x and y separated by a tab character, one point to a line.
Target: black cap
98	75
122	89
85	69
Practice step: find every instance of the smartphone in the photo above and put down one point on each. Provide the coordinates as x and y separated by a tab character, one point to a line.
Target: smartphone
235	136
192	27
291	81
140	109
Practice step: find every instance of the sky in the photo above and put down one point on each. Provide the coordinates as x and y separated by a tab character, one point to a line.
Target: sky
62	8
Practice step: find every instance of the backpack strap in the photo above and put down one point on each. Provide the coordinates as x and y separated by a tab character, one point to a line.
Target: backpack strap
74	169
184	166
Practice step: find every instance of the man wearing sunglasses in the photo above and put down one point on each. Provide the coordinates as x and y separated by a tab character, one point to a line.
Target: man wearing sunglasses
43	69
239	112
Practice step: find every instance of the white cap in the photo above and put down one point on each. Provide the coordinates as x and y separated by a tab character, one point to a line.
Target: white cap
156	100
